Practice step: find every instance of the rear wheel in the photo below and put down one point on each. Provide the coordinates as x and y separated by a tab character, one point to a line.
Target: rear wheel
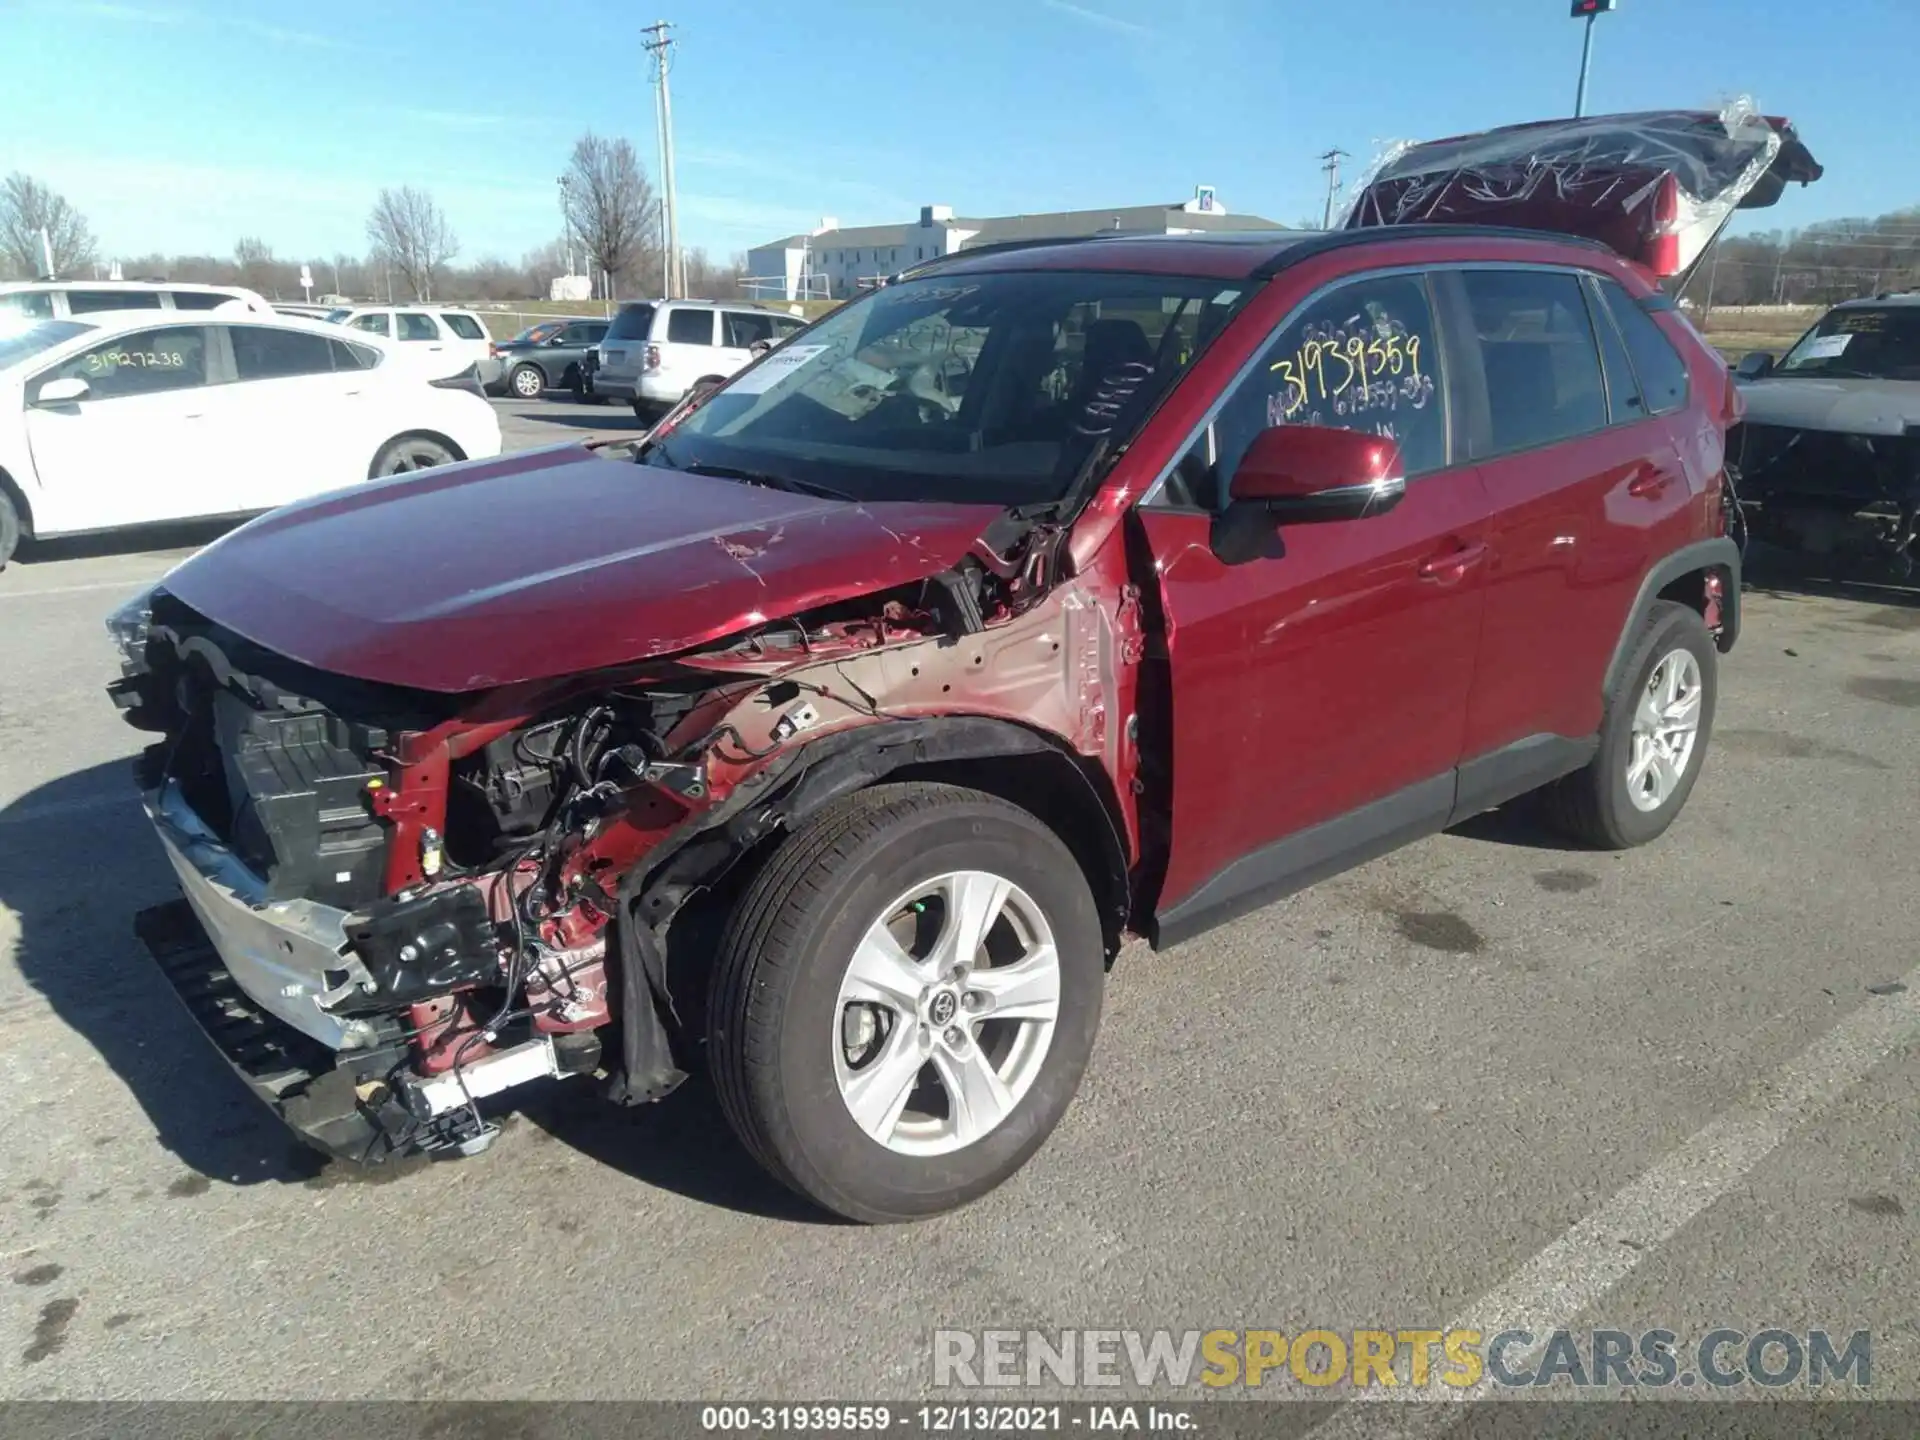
905	1000
9	528
1653	737
411	452
527	382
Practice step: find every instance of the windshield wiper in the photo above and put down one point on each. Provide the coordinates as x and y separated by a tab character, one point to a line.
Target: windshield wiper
770	480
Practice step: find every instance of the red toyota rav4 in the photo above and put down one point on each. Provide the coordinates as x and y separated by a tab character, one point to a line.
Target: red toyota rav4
835	735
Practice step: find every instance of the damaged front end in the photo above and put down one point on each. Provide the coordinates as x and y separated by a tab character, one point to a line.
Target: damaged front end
399	902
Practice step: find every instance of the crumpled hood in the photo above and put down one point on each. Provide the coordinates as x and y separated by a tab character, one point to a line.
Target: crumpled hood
548	563
1851	407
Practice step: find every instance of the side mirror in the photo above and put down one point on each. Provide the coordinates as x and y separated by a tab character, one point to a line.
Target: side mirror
1295	474
64	390
559	339
1753	365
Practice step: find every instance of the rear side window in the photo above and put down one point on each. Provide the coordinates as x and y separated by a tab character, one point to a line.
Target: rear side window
784	326
263	354
690	327
415	326
353	357
1662	373
634	322
199	299
1539	357
465	326
372	324
84	302
744	327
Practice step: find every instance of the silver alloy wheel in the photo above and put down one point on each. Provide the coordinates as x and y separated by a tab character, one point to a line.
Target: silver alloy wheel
1666	723
414	455
528	383
946	1013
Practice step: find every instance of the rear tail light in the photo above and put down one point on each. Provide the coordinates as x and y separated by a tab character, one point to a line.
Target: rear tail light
1663	249
653	357
493	351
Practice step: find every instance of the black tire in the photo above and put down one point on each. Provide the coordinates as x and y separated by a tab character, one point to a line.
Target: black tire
405	453
1593	805
527	382
644	411
776	985
10	528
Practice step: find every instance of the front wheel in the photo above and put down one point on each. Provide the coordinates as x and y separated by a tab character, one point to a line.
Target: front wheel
527	382
410	452
1653	737
905	1000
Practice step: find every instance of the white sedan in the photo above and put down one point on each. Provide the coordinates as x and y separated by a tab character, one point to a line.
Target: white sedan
119	419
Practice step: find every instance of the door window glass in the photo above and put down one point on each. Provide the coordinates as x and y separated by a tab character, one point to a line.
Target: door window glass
1364	357
690	327
415	326
84	302
200	299
1538	354
37	304
353	357
1624	402
744	327
465	326
372	324
263	354
141	364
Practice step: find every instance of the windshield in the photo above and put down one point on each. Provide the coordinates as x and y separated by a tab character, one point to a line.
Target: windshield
1867	343
19	345
992	388
632	323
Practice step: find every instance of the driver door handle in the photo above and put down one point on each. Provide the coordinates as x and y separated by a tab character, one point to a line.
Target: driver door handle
1650	482
1450	566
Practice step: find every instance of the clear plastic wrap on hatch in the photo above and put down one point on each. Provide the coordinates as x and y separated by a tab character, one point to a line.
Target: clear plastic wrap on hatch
1656	186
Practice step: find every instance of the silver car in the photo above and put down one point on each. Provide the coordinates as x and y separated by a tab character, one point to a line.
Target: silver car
657	350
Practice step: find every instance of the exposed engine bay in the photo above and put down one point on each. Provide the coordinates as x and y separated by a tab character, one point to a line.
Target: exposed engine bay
1849	495
422	899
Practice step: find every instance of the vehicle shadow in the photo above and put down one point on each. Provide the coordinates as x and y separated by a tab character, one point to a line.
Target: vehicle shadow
1783	573
184	536
78	862
1518	823
682	1143
606	418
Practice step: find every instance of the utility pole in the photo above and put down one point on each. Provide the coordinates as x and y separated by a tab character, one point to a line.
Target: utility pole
660	45
1589	11
1330	163
46	252
566	224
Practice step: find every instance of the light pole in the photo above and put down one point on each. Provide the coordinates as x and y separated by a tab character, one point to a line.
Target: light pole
1589	11
660	45
566	224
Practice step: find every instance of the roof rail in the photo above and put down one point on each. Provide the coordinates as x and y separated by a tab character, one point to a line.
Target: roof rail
1323	241
1001	247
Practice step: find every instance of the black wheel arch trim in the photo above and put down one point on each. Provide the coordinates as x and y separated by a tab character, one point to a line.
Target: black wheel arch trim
1719	553
781	797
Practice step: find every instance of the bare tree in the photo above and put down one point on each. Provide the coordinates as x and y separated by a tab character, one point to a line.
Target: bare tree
254	257
29	208
611	207
409	230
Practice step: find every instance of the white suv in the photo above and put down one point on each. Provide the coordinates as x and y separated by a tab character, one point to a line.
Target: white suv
657	350
63	299
459	335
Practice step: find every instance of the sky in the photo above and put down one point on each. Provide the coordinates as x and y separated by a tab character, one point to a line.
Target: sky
179	126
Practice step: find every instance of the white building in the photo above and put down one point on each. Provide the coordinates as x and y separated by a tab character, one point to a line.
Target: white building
831	262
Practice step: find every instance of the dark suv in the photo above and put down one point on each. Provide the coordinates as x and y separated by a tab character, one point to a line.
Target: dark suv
835	737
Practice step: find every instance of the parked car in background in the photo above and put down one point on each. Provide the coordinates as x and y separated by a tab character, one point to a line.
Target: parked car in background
1829	451
657	350
543	358
458	337
127	418
61	299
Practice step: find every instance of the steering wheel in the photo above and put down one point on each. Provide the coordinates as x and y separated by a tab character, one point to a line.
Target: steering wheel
939	386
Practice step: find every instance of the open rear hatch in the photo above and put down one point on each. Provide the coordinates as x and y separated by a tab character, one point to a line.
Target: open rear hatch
1657	186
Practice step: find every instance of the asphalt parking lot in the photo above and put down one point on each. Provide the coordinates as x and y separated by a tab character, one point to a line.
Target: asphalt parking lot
1482	1079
